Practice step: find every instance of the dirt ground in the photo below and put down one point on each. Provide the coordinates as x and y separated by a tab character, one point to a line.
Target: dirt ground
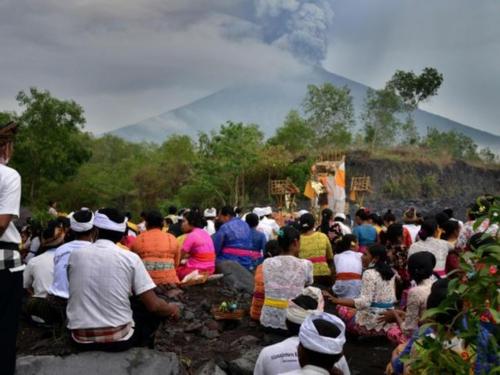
198	338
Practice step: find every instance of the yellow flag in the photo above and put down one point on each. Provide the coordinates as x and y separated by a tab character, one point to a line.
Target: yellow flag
309	191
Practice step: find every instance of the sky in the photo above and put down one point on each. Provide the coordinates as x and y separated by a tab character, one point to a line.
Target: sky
127	60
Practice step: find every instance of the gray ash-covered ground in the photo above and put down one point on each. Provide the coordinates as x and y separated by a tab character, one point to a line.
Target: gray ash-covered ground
202	342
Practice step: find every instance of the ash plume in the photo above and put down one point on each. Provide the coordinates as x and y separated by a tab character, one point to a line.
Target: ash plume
299	26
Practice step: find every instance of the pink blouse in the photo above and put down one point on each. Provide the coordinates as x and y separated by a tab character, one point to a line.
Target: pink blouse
201	249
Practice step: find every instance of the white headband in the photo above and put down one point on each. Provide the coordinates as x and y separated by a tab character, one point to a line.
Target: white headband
297	314
103	222
315	293
77	226
312	340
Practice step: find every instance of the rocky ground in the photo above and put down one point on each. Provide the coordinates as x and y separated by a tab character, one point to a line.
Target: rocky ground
201	344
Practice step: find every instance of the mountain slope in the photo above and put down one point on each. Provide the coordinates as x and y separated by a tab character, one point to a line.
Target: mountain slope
266	104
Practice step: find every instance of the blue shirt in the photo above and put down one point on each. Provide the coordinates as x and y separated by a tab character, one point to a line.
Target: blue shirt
234	234
366	234
258	240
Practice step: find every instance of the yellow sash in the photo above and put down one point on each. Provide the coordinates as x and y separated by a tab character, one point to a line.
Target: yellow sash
276	303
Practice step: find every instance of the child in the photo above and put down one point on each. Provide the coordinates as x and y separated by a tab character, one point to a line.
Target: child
348	267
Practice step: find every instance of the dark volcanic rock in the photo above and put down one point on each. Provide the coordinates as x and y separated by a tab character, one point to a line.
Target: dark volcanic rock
244	365
133	362
236	276
430	187
210	368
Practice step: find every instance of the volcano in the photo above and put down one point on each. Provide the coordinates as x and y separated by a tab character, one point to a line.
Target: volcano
266	104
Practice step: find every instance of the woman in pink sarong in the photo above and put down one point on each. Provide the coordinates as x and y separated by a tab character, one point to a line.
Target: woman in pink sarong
198	252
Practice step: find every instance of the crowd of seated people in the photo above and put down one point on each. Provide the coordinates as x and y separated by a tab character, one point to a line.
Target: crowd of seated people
98	273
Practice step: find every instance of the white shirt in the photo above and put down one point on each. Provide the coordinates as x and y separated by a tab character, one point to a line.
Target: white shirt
314	370
413	229
52	212
39	273
269	227
10	201
348	261
307	370
60	285
102	278
34	246
210	228
345	229
439	248
283	357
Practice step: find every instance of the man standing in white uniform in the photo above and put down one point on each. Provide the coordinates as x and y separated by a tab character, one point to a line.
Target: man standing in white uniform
11	266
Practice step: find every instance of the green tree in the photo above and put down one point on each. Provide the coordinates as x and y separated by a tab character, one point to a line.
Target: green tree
50	146
452	143
167	169
109	177
177	158
381	123
295	135
330	113
409	132
227	157
6	117
415	89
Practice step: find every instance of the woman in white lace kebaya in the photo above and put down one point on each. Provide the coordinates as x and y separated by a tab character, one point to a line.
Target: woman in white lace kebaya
285	276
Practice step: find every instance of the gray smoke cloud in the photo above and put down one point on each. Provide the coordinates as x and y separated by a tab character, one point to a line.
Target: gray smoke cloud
299	26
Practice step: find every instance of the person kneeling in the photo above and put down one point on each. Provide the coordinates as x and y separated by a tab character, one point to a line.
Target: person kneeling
102	278
282	357
322	339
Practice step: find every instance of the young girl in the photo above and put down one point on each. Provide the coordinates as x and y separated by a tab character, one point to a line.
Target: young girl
285	276
378	294
348	267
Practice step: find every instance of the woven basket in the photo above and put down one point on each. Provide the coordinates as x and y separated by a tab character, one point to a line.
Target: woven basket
226	315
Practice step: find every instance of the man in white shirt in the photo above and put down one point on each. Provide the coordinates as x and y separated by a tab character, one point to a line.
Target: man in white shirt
82	228
49	302
322	338
39	274
283	356
267	224
102	278
11	266
340	219
38	278
210	214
